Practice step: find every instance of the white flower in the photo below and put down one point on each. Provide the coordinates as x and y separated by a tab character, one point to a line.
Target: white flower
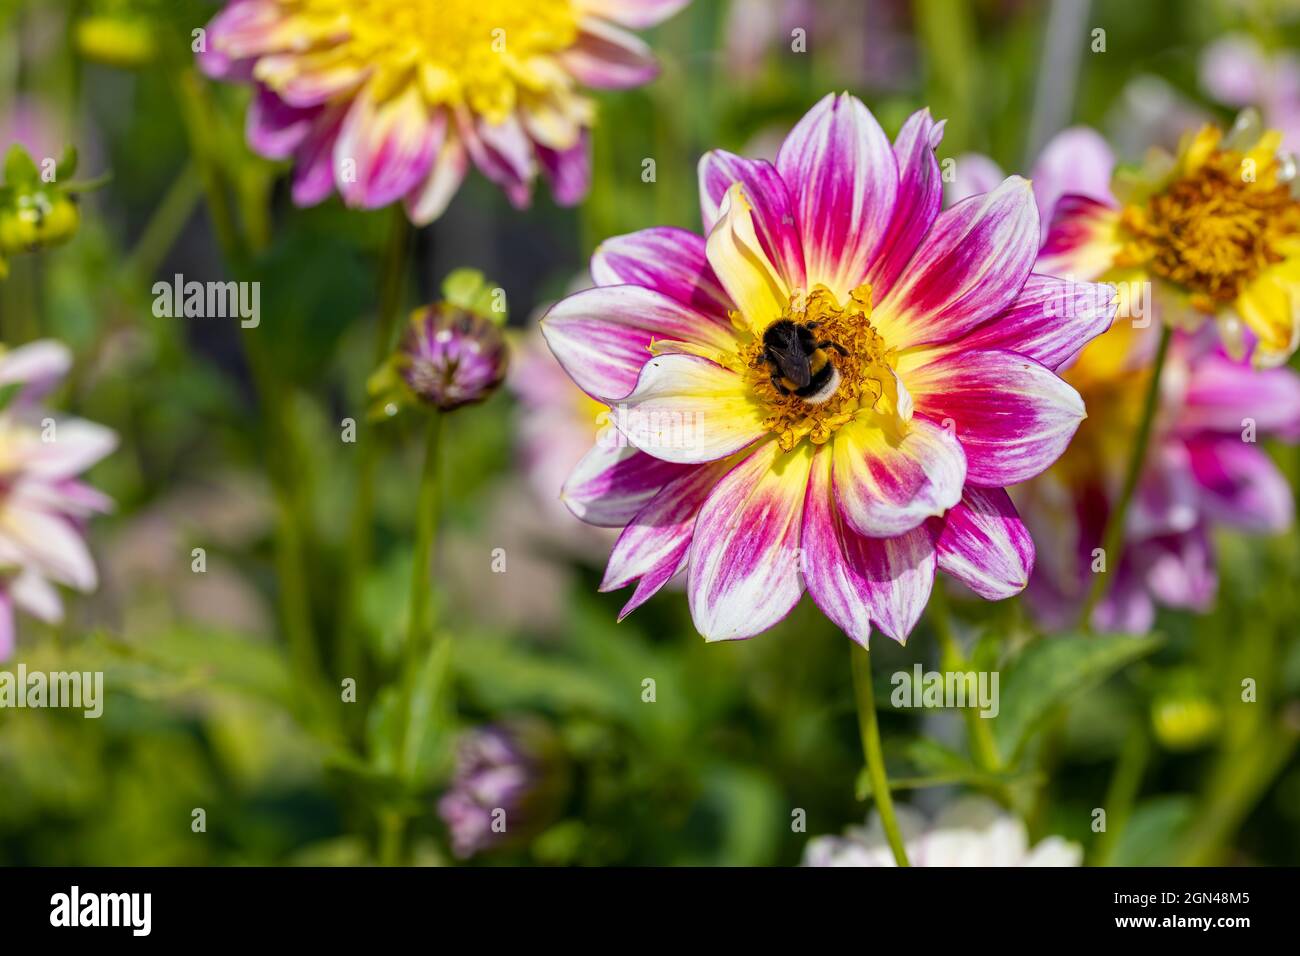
973	831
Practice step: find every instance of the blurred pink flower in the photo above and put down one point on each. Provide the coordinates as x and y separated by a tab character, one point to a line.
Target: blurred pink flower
1203	466
389	100
43	505
1238	72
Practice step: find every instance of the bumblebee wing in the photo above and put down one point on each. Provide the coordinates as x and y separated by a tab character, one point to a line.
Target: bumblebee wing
795	368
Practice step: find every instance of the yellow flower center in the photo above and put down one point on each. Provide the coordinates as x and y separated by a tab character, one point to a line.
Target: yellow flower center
486	54
1215	229
864	372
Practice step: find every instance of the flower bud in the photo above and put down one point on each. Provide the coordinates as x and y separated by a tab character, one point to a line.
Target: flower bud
450	356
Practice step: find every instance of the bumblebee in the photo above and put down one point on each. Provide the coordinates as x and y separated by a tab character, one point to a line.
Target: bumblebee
800	363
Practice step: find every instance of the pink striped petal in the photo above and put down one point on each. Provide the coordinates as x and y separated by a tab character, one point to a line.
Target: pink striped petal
602	336
688	409
666	259
920	194
1050	321
744	560
745	271
567	170
635	14
427	201
656	543
502	152
773	209
1012	415
1239	485
1076	160
858	581
841	170
384	150
275	129
237	35
886	485
984	544
313	170
614	481
1080	242
1227	396
970	267
973	174
607	58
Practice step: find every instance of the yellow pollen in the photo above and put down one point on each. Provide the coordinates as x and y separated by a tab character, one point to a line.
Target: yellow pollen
864	373
485	54
1214	230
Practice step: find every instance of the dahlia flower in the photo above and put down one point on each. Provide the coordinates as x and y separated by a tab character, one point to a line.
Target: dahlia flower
973	831
1214	231
43	504
507	782
831	390
388	100
1203	469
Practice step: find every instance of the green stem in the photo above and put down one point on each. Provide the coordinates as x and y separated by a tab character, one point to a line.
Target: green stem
392	273
1122	793
1113	538
871	749
979	732
393	820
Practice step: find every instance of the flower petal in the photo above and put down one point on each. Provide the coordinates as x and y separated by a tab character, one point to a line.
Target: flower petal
984	544
773	210
666	259
1239	485
313	170
568	170
384	150
687	409
857	580
843	176
656	543
973	174
614	481
275	129
602	336
744	561
920	194
741	265
427	201
970	267
1081	240
607	58
1227	396
1012	415
1050	321
887	484
1076	160
635	14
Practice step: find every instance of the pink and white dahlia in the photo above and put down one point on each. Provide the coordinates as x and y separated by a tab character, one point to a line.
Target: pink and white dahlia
388	100
44	506
1204	469
831	390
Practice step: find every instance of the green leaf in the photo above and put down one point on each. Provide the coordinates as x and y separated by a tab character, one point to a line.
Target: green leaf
20	169
66	167
1153	834
1051	671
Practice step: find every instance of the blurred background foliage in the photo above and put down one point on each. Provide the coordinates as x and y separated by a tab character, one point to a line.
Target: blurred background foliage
208	709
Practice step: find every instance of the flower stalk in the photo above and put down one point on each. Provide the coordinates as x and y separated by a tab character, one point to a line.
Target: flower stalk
1113	537
869	729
